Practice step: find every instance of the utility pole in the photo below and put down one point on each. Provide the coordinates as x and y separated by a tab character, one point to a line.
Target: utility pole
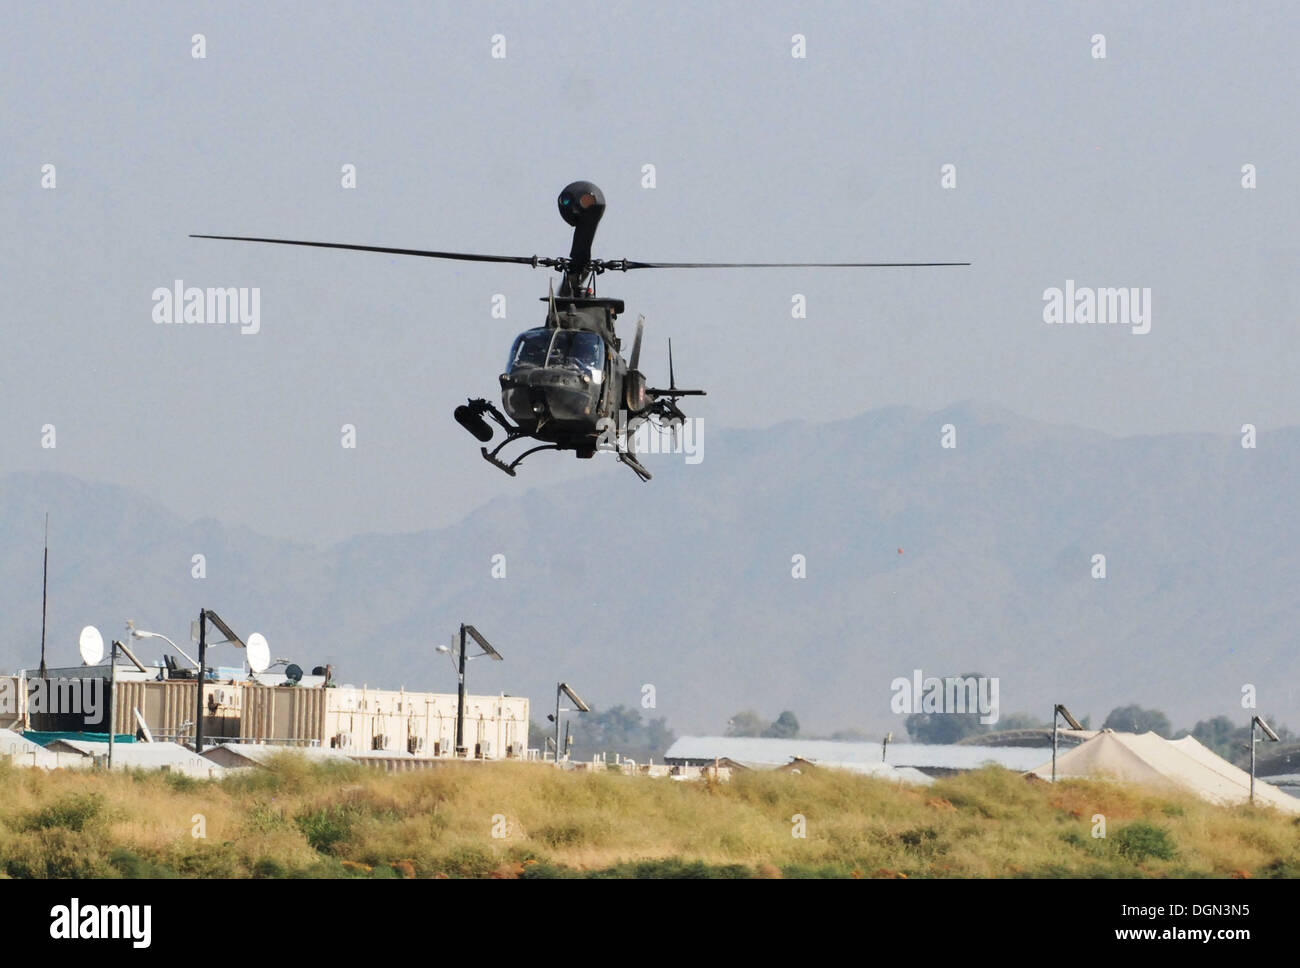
559	686
45	585
112	690
460	698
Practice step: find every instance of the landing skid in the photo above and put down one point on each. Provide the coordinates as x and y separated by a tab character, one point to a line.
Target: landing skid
630	460
510	468
482	407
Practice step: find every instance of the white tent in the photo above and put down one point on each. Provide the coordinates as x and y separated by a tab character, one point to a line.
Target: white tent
1152	760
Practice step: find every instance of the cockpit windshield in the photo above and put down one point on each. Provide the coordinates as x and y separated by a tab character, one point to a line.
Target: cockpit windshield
529	349
578	349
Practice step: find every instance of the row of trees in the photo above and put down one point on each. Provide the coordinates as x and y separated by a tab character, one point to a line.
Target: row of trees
622	730
750	723
619	729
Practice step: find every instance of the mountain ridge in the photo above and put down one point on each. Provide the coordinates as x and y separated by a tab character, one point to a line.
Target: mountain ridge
976	558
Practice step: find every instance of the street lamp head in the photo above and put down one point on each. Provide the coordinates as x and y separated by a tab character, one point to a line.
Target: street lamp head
1060	710
1268	730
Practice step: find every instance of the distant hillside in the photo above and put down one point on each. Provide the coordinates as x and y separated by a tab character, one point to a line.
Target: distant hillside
976	558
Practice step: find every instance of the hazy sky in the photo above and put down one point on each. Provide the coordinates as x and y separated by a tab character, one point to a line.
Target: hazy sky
1123	171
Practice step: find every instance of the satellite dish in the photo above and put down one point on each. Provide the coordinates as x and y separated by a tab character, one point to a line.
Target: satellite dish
259	653
91	645
293	672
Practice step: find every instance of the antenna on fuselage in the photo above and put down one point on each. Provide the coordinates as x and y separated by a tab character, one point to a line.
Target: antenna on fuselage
553	316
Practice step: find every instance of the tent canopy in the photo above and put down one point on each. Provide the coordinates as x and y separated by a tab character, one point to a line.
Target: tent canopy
1151	760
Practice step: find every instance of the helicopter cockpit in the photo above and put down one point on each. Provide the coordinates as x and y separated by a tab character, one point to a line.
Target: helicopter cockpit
574	349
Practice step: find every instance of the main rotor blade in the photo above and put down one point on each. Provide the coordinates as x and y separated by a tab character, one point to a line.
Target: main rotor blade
624	264
635	361
526	260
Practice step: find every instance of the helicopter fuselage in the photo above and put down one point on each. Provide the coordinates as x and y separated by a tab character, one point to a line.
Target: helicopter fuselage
566	377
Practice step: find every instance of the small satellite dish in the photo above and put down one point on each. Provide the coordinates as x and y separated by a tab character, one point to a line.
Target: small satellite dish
91	645
259	653
293	672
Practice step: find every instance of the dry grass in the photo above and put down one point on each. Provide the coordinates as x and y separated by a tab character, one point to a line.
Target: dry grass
526	820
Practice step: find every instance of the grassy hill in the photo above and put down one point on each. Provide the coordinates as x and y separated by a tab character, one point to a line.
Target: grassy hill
300	820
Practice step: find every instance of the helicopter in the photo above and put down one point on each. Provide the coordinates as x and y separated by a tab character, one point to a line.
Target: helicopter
566	383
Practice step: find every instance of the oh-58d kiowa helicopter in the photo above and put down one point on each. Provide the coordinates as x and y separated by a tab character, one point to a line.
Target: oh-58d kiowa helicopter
566	381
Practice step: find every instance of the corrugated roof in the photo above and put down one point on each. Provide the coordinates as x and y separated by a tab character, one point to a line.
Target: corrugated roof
24	752
262	753
859	756
142	756
881	771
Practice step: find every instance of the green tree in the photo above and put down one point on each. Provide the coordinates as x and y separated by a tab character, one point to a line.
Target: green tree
943	727
1218	734
1135	719
538	734
948	726
1019	721
785	726
1229	741
619	730
747	723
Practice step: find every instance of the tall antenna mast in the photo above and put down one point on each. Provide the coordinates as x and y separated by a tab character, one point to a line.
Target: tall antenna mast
45	584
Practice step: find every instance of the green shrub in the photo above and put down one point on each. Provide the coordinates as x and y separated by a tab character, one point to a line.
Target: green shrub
129	864
1143	839
327	827
72	813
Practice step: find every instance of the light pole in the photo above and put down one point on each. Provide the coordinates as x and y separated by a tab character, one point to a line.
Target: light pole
259	657
461	749
1268	731
1057	712
562	689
